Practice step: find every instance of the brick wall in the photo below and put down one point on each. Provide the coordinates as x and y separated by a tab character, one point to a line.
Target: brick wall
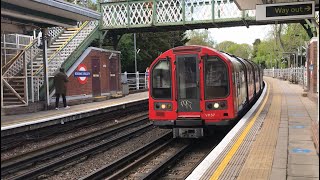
76	88
313	61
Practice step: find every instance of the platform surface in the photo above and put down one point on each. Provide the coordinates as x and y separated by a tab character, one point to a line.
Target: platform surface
274	143
12	121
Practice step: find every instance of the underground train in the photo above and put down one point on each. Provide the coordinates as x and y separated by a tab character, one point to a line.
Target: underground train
193	88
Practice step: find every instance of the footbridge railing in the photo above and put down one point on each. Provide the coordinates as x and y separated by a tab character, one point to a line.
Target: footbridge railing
150	13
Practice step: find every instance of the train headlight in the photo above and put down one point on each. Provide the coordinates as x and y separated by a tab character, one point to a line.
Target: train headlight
162	106
216	105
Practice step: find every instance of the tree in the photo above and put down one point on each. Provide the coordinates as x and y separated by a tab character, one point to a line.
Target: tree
224	46
282	40
88	3
200	37
240	50
151	45
255	48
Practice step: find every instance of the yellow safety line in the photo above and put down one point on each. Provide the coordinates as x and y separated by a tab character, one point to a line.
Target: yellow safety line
237	144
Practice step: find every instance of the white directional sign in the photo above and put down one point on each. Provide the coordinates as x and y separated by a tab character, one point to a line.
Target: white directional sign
285	11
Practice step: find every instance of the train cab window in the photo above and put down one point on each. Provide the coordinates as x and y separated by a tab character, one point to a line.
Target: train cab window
187	77
161	80
216	78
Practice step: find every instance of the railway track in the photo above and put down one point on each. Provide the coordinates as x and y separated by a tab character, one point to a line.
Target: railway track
160	159
102	140
9	142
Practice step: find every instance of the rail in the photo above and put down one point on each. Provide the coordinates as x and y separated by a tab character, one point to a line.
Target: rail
12	44
135	81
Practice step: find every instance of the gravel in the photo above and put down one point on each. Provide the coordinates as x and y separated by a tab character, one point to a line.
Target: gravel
60	138
97	161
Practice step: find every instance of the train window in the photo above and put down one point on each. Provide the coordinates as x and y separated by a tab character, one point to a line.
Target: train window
187	77
216	78
161	80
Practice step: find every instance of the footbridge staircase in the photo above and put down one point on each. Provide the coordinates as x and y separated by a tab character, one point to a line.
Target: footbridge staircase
22	76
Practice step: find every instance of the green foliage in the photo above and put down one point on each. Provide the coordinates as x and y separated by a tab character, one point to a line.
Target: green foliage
275	51
89	3
200	37
151	45
255	48
294	36
240	50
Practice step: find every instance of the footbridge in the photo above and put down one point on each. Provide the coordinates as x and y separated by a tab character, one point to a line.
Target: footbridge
163	15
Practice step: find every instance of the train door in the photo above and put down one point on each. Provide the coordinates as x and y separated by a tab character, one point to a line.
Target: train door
188	90
114	74
96	86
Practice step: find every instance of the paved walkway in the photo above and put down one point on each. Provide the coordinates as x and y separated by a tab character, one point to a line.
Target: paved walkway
283	148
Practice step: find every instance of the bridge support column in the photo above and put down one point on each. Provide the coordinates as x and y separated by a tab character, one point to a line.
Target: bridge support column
45	68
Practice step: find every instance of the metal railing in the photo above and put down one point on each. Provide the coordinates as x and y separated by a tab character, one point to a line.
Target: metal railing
12	44
148	13
7	83
297	75
135	81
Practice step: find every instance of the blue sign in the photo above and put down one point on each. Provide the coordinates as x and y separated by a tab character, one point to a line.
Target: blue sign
297	127
82	74
311	67
299	150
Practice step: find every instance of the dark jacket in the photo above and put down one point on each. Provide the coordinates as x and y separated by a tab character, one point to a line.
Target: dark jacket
60	80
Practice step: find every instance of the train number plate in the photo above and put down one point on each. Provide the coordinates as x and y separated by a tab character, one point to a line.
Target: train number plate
210	115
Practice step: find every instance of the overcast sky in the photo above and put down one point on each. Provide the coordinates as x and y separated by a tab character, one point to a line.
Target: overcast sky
240	34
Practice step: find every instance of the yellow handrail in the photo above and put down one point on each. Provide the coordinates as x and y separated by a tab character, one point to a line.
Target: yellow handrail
61	47
18	54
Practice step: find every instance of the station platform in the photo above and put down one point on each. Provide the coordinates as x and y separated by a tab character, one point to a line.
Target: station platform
25	122
274	140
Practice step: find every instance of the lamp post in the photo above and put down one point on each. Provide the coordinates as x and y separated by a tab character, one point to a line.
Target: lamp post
135	53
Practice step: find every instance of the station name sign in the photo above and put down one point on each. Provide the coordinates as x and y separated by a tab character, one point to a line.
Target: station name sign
285	11
82	74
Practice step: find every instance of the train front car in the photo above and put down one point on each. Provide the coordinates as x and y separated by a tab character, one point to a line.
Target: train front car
191	88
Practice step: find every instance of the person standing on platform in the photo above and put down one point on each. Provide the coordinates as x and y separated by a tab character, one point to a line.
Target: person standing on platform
60	80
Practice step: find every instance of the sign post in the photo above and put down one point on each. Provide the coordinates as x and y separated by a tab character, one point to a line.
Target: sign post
285	11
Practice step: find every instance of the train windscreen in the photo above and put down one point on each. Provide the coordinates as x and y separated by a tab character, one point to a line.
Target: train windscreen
216	78
161	80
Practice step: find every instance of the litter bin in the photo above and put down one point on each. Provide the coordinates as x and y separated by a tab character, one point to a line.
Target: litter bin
125	88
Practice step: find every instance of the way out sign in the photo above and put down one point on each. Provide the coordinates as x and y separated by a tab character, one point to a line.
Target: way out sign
285	11
82	74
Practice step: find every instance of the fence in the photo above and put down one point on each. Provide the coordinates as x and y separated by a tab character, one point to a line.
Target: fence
296	75
135	81
11	44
